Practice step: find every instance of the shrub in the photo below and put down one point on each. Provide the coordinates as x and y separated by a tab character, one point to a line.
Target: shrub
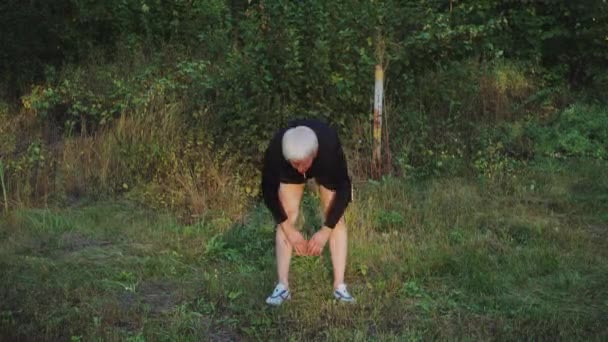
578	131
449	116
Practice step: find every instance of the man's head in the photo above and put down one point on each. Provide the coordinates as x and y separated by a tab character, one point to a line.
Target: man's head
300	147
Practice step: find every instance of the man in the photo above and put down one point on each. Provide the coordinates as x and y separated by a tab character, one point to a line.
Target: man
307	149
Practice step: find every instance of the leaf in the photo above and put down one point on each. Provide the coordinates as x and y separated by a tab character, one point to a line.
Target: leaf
234	294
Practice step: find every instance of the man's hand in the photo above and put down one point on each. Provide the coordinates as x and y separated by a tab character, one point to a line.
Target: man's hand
318	241
295	238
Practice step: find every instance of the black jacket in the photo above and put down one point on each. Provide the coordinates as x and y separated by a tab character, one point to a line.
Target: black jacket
328	168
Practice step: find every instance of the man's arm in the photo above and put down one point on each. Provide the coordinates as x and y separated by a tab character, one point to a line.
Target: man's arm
343	190
271	180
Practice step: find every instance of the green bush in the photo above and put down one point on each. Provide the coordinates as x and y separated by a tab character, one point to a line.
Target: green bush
235	71
83	98
578	131
387	221
445	132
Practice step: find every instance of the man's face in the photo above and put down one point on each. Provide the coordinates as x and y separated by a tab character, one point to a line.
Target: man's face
302	165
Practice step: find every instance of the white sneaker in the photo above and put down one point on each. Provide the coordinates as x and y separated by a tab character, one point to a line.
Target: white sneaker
279	295
341	294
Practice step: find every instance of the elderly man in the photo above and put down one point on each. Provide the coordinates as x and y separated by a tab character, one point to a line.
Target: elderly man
303	150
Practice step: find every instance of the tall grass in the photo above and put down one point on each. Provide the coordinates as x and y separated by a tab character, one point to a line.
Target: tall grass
151	153
3	185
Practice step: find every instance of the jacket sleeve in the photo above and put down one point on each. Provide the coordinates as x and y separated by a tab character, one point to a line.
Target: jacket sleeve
271	180
343	188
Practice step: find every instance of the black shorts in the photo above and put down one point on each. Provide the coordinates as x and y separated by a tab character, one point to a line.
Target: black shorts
300	179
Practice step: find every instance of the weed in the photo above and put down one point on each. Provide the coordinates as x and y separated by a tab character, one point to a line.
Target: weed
3	185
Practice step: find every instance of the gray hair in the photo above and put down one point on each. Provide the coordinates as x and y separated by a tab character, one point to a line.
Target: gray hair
299	143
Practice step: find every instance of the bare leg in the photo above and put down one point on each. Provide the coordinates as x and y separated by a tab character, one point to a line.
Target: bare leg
338	240
338	244
283	254
290	196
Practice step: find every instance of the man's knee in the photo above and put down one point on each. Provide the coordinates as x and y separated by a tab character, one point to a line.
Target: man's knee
281	237
340	225
292	216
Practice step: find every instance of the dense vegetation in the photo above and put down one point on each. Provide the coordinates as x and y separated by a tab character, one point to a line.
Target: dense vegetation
495	141
206	76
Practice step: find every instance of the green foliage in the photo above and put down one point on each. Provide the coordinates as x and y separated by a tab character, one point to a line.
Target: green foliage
440	132
230	73
493	162
580	131
26	174
386	221
298	44
73	103
69	31
577	131
92	96
33	40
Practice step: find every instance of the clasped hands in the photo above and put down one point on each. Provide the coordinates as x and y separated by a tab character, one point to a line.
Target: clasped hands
313	247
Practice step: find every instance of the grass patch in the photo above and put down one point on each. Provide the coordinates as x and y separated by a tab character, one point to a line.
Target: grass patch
445	259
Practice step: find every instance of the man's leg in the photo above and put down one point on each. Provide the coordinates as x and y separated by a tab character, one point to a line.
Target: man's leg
290	196
338	240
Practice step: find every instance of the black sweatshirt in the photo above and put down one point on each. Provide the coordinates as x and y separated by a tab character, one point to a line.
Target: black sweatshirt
328	168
